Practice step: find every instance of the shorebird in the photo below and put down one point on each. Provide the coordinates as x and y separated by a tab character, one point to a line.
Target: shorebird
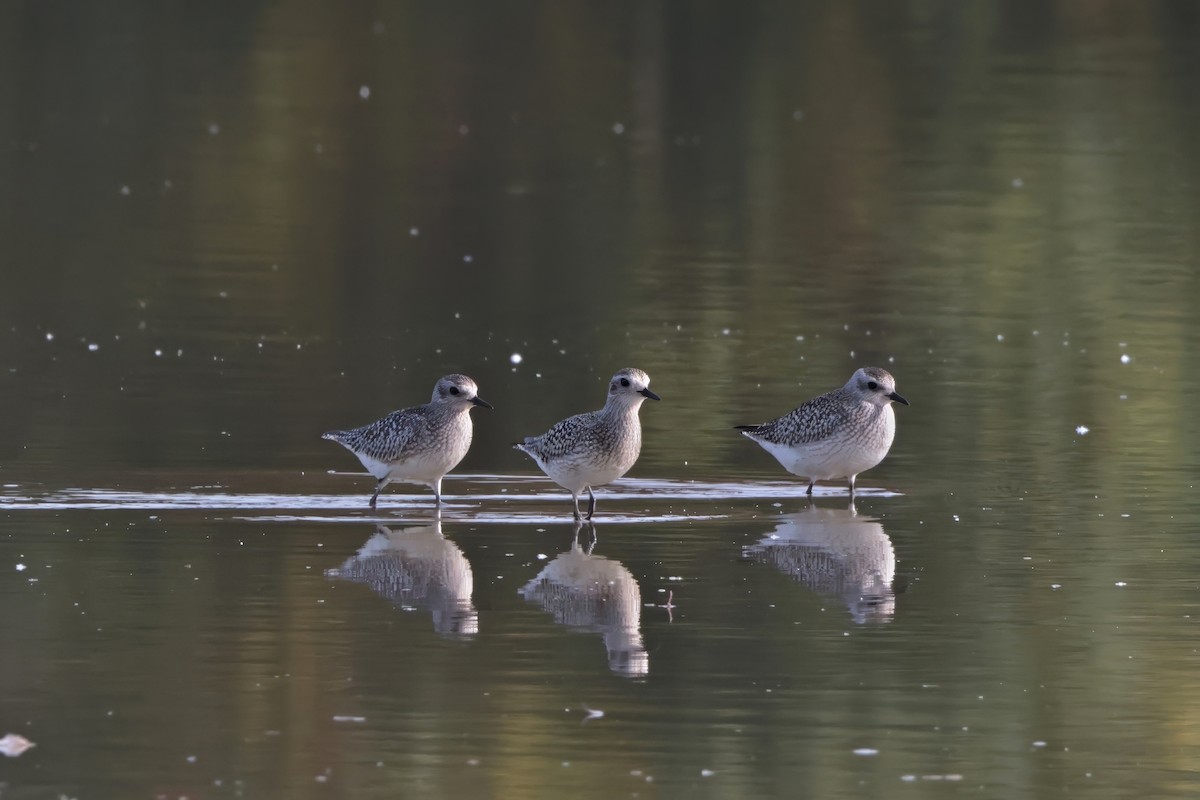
419	444
596	448
837	434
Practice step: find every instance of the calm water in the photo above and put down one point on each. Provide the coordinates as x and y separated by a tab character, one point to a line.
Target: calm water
224	232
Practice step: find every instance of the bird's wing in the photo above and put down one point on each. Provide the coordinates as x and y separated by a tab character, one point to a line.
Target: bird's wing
388	438
810	422
564	438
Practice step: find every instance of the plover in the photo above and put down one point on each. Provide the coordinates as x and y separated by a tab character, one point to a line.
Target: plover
837	434
596	448
419	444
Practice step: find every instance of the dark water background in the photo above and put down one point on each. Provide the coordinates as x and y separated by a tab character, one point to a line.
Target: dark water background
225	229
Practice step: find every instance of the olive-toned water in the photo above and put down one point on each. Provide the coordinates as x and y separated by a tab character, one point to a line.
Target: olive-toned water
226	230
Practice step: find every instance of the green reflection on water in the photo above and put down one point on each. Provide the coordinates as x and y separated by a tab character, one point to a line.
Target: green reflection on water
994	202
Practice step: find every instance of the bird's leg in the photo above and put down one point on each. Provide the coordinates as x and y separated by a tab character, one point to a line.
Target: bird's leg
852	477
810	485
591	503
379	488
437	491
575	500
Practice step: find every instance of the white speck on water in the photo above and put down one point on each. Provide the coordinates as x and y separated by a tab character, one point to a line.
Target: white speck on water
191	759
1017	183
516	358
866	751
1121	584
706	773
908	778
999	337
158	353
348	718
618	128
1056	586
955	517
214	128
414	231
468	258
463	130
21	567
542	556
797	115
799	338
49	337
592	713
93	347
1126	358
1082	430
125	191
1039	743
725	331
364	91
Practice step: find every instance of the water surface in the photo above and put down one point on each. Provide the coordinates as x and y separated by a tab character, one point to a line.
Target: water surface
222	233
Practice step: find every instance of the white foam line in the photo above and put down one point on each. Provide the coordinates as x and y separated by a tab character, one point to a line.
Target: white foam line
640	490
485	519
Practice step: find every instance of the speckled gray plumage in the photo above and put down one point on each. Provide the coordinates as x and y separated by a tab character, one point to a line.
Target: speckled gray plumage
837	434
612	435
410	430
596	448
419	444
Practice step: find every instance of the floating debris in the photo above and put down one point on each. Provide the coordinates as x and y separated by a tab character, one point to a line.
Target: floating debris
12	745
593	713
1082	430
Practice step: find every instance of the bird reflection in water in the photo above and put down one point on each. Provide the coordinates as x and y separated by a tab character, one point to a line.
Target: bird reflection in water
836	553
418	567
598	595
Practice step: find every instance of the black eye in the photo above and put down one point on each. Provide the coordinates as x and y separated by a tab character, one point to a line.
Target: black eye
625	382
872	385
454	389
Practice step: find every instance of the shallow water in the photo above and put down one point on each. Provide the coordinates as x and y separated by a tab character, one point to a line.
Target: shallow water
216	246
